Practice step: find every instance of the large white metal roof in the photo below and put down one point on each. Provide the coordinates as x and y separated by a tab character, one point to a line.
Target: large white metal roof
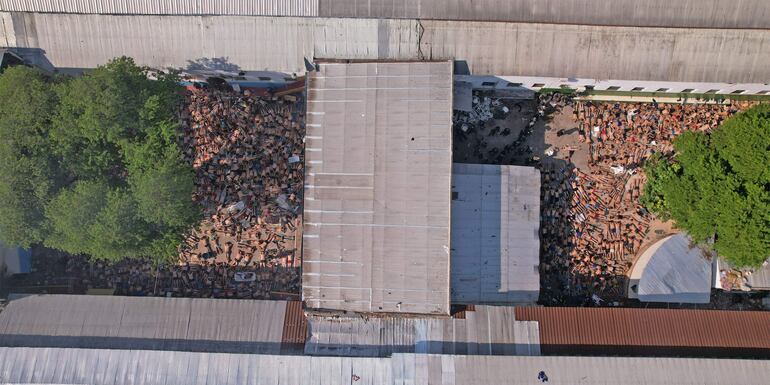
187	324
139	367
377	187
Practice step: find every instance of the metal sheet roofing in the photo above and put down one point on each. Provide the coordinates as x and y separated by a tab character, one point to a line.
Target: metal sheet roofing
377	187
659	332
672	270
495	241
168	7
525	49
137	367
187	324
760	278
242	42
489	330
565	51
657	13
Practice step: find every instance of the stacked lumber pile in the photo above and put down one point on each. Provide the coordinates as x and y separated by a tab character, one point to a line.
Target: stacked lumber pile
247	152
592	222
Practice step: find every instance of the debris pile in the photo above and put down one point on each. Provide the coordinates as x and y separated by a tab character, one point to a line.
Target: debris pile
247	152
592	224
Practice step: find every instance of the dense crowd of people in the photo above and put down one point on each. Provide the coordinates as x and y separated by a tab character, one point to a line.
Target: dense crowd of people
592	224
56	272
247	152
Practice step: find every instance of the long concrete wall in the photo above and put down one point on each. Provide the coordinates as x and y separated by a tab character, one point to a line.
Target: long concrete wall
283	43
650	13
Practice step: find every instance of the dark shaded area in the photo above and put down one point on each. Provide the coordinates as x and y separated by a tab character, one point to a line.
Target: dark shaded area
184	345
31	56
461	67
56	272
212	64
9	59
498	131
424	347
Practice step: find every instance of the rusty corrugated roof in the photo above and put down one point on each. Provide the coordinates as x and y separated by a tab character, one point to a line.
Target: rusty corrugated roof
294	325
616	331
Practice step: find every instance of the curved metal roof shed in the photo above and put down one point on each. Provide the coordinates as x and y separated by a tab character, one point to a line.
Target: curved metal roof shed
671	270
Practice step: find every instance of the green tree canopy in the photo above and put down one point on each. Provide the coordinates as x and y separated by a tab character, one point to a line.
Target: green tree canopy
71	228
718	185
90	164
158	191
29	174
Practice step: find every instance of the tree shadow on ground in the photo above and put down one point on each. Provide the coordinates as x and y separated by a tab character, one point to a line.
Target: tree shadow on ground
212	64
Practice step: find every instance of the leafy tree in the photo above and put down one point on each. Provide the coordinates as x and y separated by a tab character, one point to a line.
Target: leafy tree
719	186
118	231
105	111
90	165
163	193
659	172
29	174
72	213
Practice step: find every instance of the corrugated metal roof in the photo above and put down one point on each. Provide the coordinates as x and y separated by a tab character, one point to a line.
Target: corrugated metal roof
486	330
663	13
522	49
360	337
294	328
188	324
625	331
168	7
137	367
495	241
673	271
247	43
760	278
377	187
653	13
670	54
